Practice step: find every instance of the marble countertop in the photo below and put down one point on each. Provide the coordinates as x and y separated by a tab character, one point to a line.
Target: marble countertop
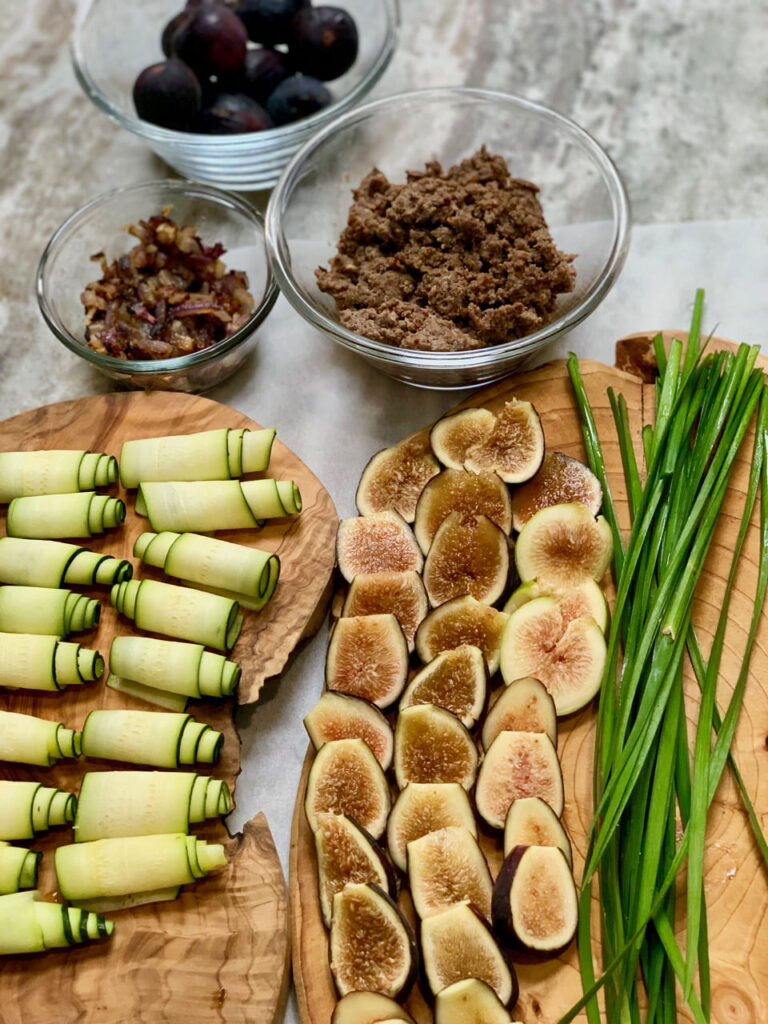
674	91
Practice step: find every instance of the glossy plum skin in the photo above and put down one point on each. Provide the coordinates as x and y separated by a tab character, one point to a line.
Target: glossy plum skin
232	114
297	97
168	94
324	42
212	41
262	72
269	21
172	29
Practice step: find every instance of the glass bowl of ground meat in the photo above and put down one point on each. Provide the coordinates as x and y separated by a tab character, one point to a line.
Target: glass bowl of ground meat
448	235
161	285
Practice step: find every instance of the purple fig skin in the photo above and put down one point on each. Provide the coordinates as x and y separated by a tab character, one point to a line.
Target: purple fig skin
501	914
386	863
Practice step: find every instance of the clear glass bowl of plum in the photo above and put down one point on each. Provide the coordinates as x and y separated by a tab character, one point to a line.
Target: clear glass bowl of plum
227	92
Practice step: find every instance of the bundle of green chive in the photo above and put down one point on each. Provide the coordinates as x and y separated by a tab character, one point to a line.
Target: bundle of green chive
651	792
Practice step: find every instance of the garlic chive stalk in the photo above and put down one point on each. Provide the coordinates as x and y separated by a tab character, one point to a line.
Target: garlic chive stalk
18	868
244	574
203	506
27	808
29	925
49	611
33	740
157	738
207	455
125	803
29	661
54	516
168	672
54	472
52	563
207	619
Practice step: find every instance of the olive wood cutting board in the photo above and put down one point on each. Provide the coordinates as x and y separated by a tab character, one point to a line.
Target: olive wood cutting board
737	895
221	952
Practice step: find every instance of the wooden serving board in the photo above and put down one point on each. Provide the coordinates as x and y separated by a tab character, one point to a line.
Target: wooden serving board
220	953
737	894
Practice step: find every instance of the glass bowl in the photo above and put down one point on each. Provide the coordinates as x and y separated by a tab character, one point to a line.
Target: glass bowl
582	196
113	41
66	267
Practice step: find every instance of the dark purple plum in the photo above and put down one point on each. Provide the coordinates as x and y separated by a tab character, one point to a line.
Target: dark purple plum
233	113
213	41
174	26
297	97
323	42
168	94
269	21
262	72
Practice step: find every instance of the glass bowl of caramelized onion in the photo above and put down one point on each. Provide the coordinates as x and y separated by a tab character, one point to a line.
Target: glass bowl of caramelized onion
160	285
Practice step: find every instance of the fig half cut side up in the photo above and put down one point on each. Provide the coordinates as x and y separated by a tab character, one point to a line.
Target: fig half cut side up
424	807
464	620
562	546
431	745
518	764
514	448
372	947
447	867
454	680
470	1001
457	490
395	477
568	659
532	822
469	555
559	481
454	436
367	1008
345	778
524	706
535	905
401	594
457	944
337	716
585	598
347	854
367	657
382	542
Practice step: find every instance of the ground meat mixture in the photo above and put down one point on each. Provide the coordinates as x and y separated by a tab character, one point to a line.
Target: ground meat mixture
451	260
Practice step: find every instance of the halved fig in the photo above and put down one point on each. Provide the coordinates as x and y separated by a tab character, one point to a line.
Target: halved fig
337	716
585	599
464	620
560	480
514	448
382	542
456	490
535	906
345	778
568	659
368	657
431	745
424	807
453	436
470	1001
372	947
562	546
395	477
401	594
447	867
454	680
524	706
367	1008
469	555
532	822
346	853
457	944
516	765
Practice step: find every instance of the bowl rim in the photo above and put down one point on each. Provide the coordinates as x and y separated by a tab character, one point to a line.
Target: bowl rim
279	255
287	133
152	367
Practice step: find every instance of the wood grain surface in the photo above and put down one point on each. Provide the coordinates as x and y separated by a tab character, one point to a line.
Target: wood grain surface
220	953
736	889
